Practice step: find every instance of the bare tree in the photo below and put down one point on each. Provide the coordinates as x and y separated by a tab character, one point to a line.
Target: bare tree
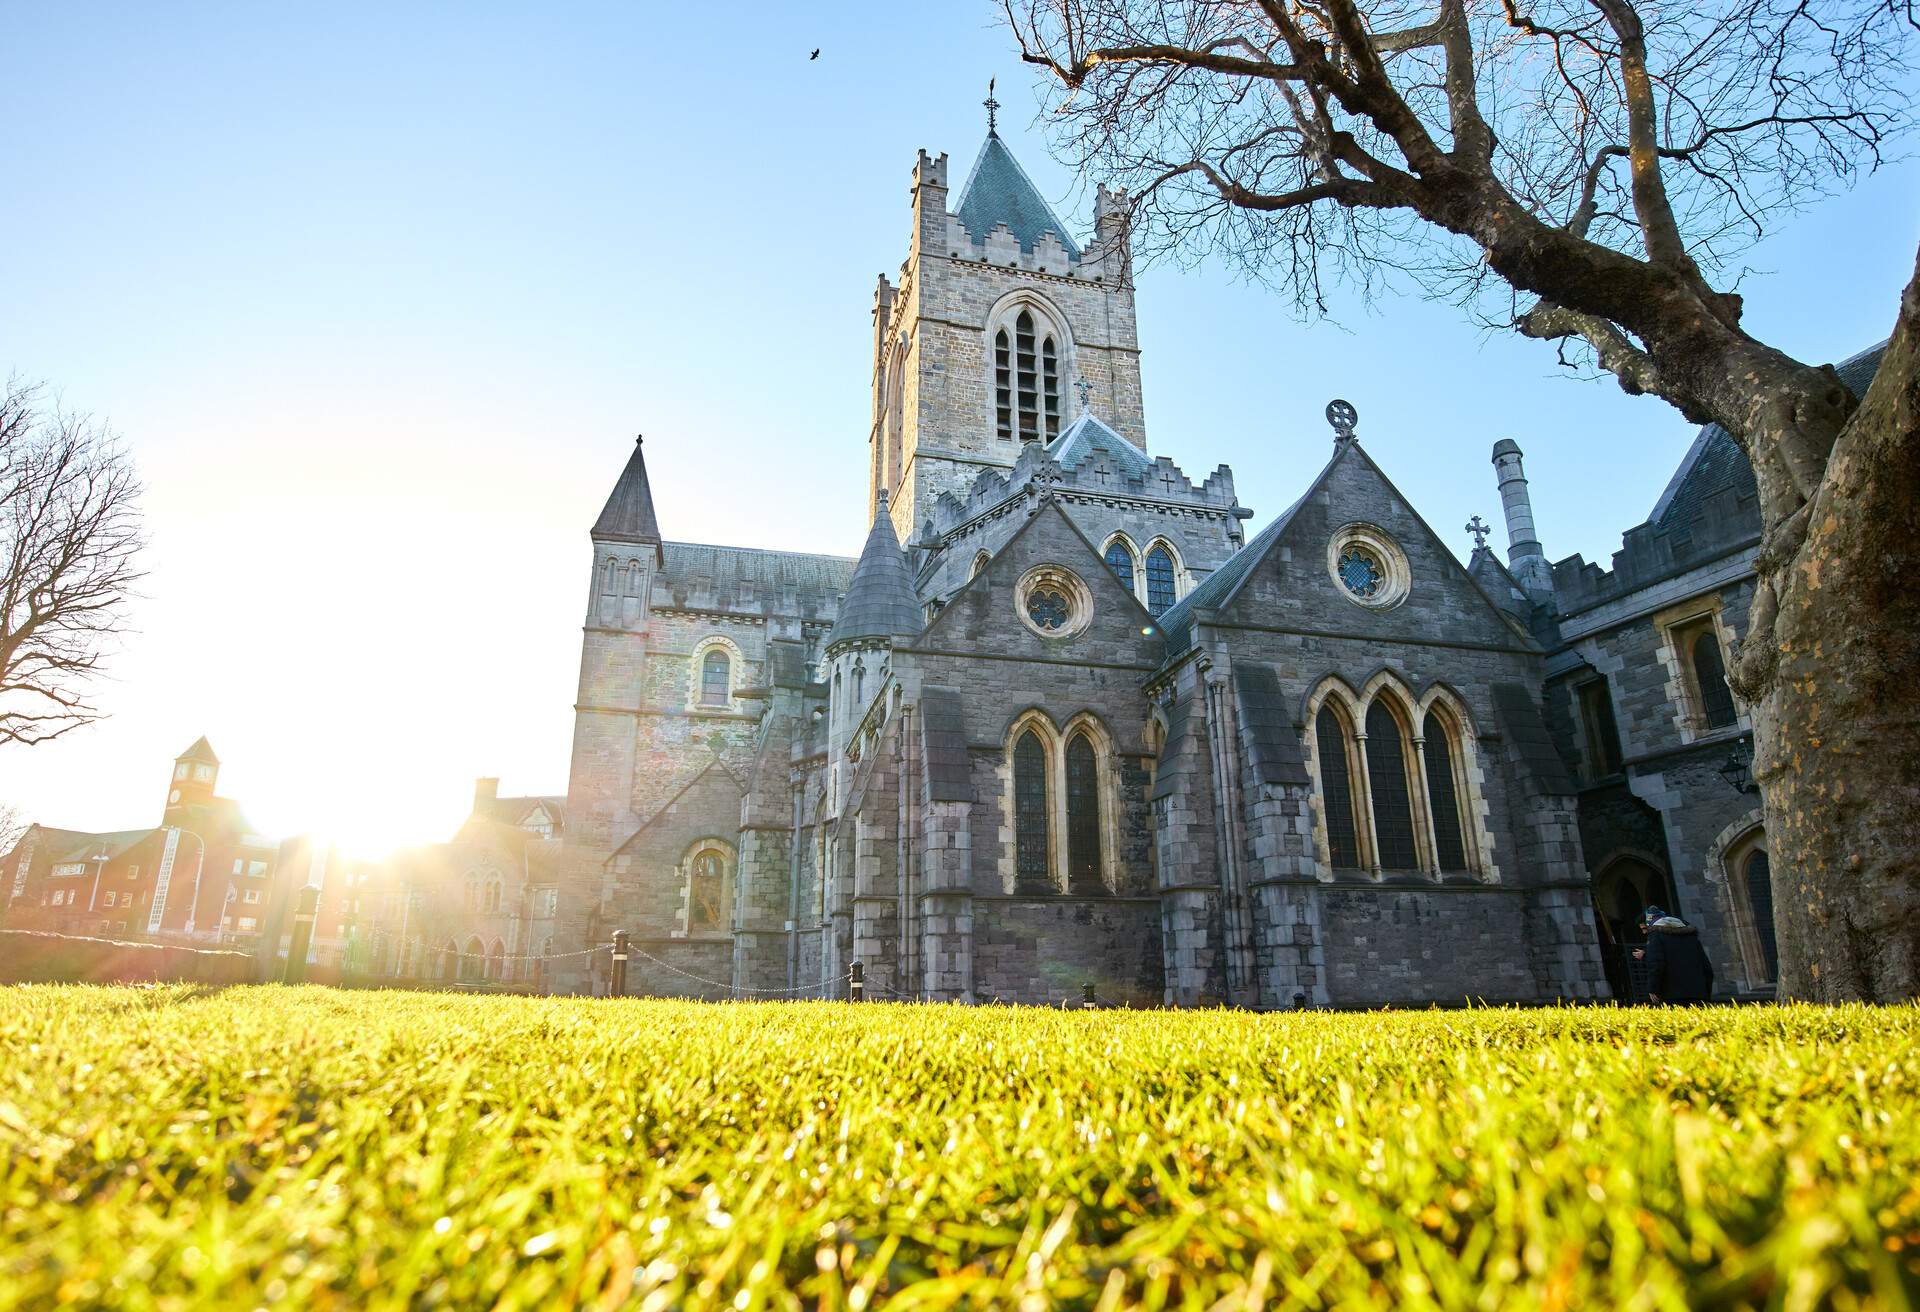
70	527
1587	172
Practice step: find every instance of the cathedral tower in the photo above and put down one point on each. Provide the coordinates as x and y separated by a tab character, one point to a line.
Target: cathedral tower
997	320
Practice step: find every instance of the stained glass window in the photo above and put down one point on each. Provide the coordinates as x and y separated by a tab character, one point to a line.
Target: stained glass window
1361	572
1003	383
1336	791
1047	608
1760	902
1030	811
1387	778
1120	561
1159	580
1442	796
1083	816
706	894
1716	699
714	685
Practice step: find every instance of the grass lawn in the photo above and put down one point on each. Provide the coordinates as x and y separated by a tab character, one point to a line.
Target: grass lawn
313	1148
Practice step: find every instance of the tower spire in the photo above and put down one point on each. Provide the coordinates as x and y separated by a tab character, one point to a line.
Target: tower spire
993	109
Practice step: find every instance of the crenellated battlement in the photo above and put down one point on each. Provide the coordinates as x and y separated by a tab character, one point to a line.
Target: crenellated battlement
930	171
1097	475
1001	249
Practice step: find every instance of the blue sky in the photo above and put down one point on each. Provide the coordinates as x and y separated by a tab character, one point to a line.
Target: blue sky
379	295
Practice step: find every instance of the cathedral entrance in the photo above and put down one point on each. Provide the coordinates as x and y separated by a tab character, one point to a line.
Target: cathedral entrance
1622	891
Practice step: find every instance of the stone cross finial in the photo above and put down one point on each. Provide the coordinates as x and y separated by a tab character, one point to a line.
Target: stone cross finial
993	108
1343	417
1479	528
1086	391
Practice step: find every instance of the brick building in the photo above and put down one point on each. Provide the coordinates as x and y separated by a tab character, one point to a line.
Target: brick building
202	875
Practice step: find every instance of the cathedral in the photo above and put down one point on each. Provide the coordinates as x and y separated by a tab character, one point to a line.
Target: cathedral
1065	725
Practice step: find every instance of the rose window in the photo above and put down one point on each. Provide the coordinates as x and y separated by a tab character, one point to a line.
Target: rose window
1361	572
1048	609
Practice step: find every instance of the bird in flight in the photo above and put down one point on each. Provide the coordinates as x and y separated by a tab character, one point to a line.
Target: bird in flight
815	55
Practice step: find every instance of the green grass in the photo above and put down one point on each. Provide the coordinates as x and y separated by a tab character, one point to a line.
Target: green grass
313	1148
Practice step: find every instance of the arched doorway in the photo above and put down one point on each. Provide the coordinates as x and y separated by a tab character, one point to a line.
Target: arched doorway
1625	887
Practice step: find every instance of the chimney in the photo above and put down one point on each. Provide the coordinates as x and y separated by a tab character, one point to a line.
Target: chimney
485	793
1524	555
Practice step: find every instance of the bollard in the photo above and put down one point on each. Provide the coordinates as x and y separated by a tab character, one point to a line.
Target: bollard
1086	996
304	912
1299	1002
619	987
857	983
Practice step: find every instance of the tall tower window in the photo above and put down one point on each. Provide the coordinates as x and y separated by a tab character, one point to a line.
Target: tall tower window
1026	381
1003	384
1160	588
1030	810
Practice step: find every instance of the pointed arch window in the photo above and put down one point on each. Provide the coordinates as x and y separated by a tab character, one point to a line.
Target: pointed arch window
707	892
1083	816
1160	586
1710	673
1443	796
859	685
473	962
1003	384
715	678
1387	779
1026	380
1120	561
1336	790
1030	811
979	563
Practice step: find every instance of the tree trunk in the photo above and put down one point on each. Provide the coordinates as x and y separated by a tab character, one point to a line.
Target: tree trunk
1831	668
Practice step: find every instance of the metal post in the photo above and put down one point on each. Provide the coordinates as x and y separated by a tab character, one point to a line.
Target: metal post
1086	996
857	984
305	910
619	963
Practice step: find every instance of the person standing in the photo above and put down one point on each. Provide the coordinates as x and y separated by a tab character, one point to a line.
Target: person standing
1677	967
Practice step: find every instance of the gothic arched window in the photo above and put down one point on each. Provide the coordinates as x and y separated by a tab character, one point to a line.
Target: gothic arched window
1387	779
449	963
1443	796
1758	870
1030	811
859	685
715	683
1120	561
1003	384
497	960
1716	699
493	895
1336	790
473	964
979	563
707	893
1026	381
1159	580
1083	816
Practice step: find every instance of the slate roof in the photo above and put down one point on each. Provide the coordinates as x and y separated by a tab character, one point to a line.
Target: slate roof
1525	727
1087	437
1275	742
999	191
1176	622
880	601
202	751
1715	461
628	515
1180	754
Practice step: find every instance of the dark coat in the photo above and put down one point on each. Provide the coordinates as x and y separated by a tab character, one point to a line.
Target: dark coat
1677	965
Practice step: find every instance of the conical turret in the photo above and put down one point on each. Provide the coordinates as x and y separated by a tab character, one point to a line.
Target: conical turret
880	601
628	515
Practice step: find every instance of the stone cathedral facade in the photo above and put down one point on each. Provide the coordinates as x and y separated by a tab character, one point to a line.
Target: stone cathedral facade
1063	722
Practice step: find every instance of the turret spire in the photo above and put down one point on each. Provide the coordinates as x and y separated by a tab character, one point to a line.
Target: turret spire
880	601
628	515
